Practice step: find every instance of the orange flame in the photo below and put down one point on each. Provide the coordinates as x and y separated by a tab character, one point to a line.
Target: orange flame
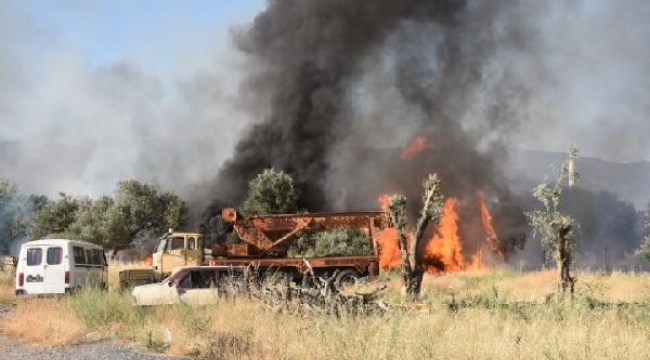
486	220
389	256
443	250
148	261
415	147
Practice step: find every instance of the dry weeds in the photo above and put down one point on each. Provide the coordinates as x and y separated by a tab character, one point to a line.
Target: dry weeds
43	322
505	315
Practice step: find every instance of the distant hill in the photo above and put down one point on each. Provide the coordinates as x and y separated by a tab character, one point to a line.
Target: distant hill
630	181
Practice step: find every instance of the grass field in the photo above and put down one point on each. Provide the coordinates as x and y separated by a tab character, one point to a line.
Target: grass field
483	315
6	287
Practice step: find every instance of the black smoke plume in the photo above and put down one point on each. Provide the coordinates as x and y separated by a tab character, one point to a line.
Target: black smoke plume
344	84
311	55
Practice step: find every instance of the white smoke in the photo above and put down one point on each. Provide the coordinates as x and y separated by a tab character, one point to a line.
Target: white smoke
69	125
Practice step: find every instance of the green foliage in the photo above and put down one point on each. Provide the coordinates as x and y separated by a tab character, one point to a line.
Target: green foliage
548	223
108	221
143	208
99	309
114	222
99	222
432	198
397	211
343	242
54	218
432	202
271	192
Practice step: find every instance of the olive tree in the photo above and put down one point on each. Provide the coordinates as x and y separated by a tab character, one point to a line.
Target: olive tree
554	227
55	217
411	270
271	192
135	208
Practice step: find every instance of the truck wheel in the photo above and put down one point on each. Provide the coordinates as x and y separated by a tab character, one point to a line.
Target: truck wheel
346	278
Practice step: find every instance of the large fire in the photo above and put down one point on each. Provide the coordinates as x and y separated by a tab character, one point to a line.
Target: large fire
442	251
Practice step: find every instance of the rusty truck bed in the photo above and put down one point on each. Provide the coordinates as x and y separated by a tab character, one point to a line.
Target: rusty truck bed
364	265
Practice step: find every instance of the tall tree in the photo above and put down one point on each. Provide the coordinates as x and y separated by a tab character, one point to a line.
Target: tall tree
54	218
136	209
271	192
432	201
554	227
142	207
99	222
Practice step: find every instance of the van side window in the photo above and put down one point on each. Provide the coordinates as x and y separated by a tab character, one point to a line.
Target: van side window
79	255
54	255
34	256
97	257
191	243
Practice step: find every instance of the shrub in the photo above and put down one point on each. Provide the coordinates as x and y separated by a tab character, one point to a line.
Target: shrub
271	192
99	309
332	242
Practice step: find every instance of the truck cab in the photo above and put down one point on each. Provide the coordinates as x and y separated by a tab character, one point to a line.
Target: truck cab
177	249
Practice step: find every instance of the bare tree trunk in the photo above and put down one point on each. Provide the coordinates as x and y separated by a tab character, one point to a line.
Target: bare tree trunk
411	270
406	271
563	261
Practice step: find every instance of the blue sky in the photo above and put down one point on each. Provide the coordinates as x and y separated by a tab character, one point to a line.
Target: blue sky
153	33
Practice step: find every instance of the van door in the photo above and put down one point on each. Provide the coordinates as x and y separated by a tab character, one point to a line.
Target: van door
99	264
54	271
34	276
93	270
79	274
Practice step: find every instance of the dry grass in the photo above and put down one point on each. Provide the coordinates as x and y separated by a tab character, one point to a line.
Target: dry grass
44	322
7	288
537	286
487	315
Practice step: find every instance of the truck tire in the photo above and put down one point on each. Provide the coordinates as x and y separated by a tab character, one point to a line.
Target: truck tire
346	278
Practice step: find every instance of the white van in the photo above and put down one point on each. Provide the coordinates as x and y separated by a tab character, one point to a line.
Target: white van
56	266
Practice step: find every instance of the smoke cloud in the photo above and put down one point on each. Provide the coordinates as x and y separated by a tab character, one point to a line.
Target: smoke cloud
68	125
329	91
344	82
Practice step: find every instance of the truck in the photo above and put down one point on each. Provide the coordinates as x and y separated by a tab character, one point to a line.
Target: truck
261	242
